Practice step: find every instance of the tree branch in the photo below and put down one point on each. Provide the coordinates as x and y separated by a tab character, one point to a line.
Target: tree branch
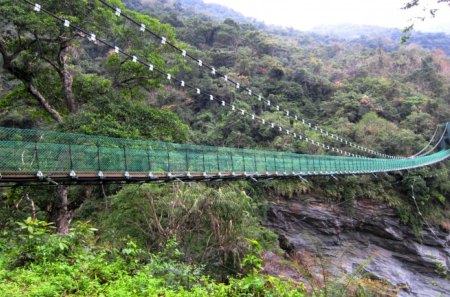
56	67
53	112
123	82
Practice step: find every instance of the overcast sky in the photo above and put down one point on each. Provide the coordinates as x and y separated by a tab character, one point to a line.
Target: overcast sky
306	14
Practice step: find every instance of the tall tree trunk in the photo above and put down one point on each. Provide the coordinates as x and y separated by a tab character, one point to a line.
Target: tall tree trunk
62	215
53	112
67	81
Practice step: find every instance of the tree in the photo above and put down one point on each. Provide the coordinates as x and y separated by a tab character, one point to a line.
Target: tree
34	48
37	49
48	61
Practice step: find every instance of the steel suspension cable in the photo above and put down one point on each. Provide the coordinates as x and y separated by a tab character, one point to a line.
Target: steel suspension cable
429	143
434	147
270	104
181	83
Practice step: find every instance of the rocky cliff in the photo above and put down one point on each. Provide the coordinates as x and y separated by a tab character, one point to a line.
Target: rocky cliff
371	237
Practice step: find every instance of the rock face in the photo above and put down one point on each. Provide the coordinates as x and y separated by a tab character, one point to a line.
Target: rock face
373	234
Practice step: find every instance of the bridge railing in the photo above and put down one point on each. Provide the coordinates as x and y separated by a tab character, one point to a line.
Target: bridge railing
25	151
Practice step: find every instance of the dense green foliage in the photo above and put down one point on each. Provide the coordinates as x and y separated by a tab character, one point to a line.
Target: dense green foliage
374	90
196	239
39	263
210	224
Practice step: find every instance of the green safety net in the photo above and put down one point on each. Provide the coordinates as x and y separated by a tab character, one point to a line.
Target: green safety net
23	150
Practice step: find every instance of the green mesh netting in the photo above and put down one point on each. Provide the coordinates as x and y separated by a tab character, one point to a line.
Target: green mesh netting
24	150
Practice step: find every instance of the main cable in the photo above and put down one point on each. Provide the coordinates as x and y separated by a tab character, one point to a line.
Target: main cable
438	142
270	104
93	38
429	143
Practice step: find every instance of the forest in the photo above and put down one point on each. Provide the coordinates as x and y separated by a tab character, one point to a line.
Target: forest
204	239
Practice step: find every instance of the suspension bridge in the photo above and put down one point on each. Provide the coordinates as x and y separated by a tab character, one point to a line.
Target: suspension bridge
37	155
28	156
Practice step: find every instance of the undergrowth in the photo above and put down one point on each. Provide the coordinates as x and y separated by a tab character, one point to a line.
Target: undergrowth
36	262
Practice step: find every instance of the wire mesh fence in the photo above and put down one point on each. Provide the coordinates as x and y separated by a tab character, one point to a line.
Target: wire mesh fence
23	150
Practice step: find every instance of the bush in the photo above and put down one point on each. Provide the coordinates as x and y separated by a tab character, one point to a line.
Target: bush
79	267
210	224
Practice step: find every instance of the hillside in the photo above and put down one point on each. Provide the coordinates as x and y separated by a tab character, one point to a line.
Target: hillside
313	71
373	36
362	34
